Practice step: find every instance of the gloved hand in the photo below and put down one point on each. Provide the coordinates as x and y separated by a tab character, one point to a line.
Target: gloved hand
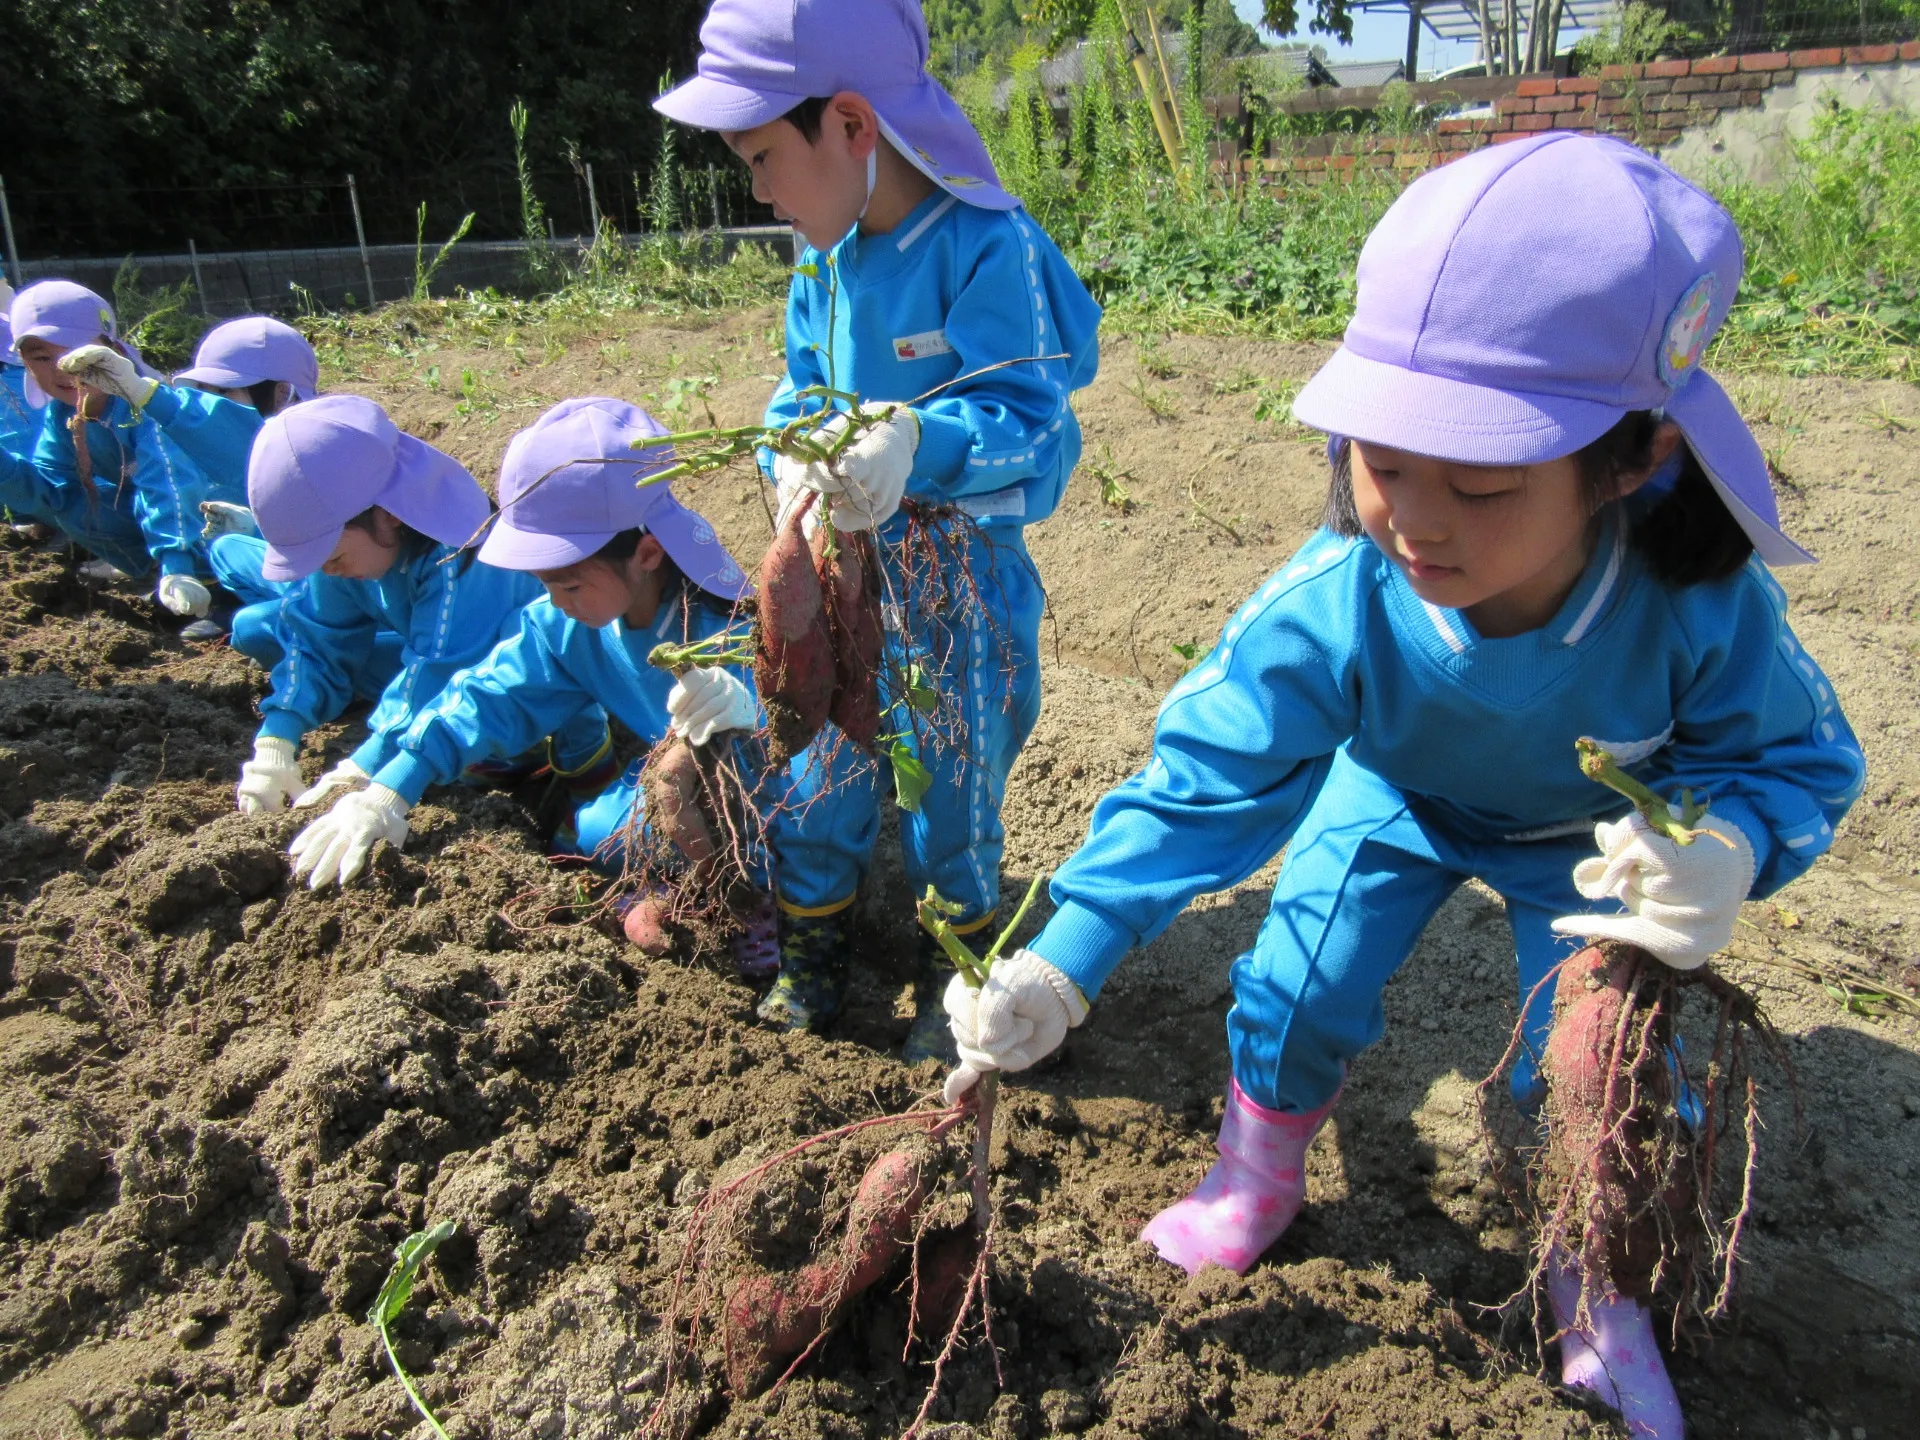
343	776
336	846
184	595
1681	900
100	367
271	778
225	518
1019	1016
707	700
788	494
870	475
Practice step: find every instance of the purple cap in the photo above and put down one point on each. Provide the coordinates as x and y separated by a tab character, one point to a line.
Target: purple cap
1514	305
760	58
68	315
246	351
567	487
316	466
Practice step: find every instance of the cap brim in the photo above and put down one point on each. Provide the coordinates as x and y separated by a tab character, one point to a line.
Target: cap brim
36	397
696	549
511	548
215	375
1735	464
928	127
708	104
296	562
1382	404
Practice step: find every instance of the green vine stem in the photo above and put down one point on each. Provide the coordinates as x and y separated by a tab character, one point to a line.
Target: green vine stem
408	1258
1597	764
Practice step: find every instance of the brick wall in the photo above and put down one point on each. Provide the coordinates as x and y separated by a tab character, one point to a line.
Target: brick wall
1649	104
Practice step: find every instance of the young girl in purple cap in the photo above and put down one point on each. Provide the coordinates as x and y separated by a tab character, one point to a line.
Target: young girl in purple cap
921	271
1545	522
113	482
625	568
363	528
244	372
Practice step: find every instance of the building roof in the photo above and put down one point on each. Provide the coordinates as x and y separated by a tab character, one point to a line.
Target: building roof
1367	72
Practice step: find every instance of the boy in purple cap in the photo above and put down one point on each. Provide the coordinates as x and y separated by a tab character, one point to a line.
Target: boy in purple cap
244	372
625	568
1545	522
363	530
921	270
113	482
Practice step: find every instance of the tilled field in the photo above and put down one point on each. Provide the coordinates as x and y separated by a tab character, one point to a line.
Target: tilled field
231	1098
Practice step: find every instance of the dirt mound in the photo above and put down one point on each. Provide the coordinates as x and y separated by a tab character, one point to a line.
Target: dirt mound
231	1097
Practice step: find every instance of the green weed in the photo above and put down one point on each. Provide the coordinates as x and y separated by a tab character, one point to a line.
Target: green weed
408	1258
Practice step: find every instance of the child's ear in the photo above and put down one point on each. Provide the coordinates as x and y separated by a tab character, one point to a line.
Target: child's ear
649	554
1666	440
855	118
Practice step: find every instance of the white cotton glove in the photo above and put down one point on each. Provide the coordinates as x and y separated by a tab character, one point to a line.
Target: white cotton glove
1018	1017
343	776
868	478
100	367
184	595
1681	900
271	778
788	494
707	700
224	518
336	846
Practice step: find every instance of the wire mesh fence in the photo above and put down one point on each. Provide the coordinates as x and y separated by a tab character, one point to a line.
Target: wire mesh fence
358	240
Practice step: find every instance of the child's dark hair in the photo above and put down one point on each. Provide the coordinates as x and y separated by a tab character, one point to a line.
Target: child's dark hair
262	393
412	542
1686	536
617	551
806	117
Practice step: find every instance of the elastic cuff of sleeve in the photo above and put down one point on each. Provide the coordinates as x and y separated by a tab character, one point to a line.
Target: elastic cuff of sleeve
944	446
407	775
374	752
282	725
1084	945
176	562
163	406
567	772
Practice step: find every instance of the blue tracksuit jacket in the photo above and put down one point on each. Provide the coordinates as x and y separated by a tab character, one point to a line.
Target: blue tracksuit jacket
950	290
214	432
447	617
136	471
1399	753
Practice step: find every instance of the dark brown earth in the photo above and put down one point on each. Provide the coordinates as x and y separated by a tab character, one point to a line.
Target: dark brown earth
231	1098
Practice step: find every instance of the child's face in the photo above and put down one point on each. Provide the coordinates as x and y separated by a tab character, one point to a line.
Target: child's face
363	553
42	359
1505	545
818	187
597	593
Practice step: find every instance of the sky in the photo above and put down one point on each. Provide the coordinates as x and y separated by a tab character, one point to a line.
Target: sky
1377	35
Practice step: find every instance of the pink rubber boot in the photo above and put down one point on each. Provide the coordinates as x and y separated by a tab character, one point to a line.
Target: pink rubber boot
1614	1356
1249	1196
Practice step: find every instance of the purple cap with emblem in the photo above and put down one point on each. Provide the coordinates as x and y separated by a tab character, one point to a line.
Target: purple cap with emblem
246	351
1516	304
66	314
568	485
316	466
760	58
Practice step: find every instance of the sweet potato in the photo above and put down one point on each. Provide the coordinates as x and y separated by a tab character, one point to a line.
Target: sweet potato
673	788
793	662
1611	1115
772	1318
850	585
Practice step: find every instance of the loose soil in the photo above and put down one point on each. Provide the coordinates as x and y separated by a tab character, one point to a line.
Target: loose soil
231	1097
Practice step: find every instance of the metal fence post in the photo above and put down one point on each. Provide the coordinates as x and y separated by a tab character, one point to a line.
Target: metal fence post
366	261
713	190
593	203
199	285
13	250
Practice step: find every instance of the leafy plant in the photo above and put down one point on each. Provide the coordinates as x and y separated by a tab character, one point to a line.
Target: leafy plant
424	270
411	1254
